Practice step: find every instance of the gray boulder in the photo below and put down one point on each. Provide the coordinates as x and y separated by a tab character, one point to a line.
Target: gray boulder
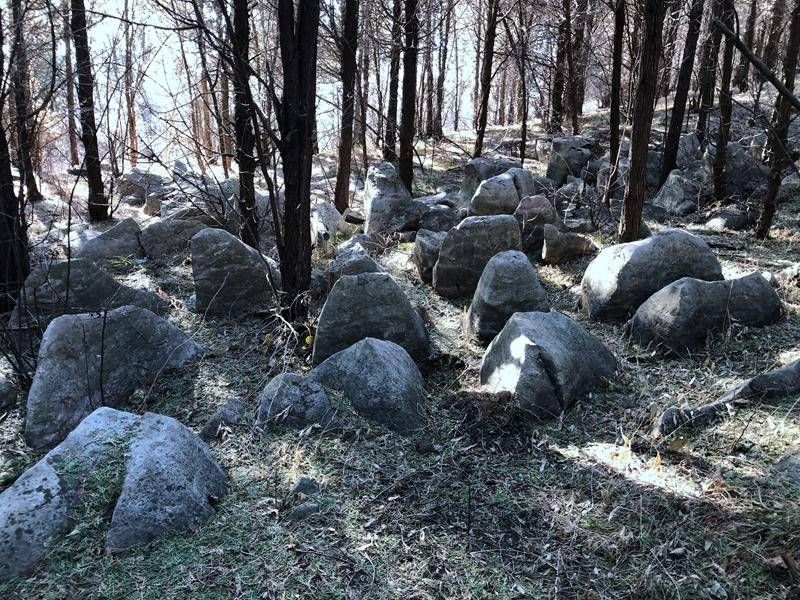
682	315
623	276
138	183
547	361
380	380
230	414
76	286
509	284
171	484
731	219
467	248
326	222
439	217
230	277
131	345
388	205
350	261
8	393
168	238
372	244
568	156
481	168
560	246
495	196
119	241
293	401
168	480
744	174
533	213
688	149
426	252
679	195
529	184
368	305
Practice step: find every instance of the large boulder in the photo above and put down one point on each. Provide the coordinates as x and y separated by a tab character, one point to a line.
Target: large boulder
682	315
294	401
679	195
350	261
160	476
731	218
481	168
744	174
547	361
568	156
688	149
533	213
380	380
368	305
326	222
76	286
388	205
426	252
92	360
168	238
138	183
467	248
230	277
495	196
560	246
119	241
509	284
623	276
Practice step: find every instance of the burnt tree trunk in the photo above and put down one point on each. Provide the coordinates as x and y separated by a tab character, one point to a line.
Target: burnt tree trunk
348	45
770	56
390	138
407	116
708	72
72	133
776	150
725	107
486	75
646	87
98	203
741	75
670	156
444	39
616	92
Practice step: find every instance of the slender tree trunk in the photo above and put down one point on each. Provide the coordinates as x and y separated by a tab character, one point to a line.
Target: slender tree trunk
348	43
486	75
500	98
430	91
442	71
777	158
130	94
770	56
646	87
98	203
476	89
298	45
670	156
245	136
407	128
580	49
72	133
708	72
725	107
616	92
226	143
741	75
364	93
571	88
557	85
25	131
390	144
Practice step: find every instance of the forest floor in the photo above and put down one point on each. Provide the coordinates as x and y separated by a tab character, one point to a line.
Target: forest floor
485	502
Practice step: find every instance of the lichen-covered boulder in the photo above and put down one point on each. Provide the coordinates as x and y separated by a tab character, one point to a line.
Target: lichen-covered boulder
508	285
119	241
368	305
380	380
426	252
98	359
561	246
681	316
350	261
388	205
467	248
568	156
623	276
495	196
547	361
230	277
168	238
484	167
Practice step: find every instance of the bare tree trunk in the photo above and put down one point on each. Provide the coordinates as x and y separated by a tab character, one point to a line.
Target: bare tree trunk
580	52
557	85
226	143
571	89
476	90
725	107
740	77
364	93
616	91
430	91
98	203
646	87
770	56
500	98
25	131
486	75
245	136
130	94
348	45
72	133
708	72
389	144
777	158
442	71
670	156
298	44
410	51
